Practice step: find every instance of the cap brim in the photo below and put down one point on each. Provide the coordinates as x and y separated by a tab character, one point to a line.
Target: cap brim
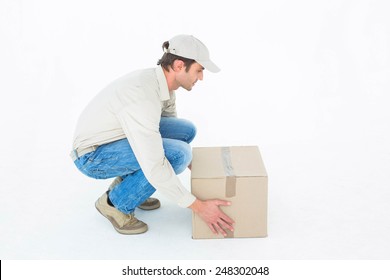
210	66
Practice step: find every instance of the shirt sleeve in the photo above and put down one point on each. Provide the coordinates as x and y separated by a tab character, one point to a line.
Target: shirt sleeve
140	122
170	107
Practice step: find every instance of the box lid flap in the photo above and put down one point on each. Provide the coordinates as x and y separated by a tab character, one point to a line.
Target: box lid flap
219	162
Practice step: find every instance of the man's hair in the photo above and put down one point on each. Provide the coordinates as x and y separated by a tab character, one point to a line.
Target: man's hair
168	59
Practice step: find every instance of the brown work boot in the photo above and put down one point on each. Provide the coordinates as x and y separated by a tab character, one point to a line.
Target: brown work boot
150	204
123	223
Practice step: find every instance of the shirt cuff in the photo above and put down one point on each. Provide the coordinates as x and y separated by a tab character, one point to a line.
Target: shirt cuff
186	200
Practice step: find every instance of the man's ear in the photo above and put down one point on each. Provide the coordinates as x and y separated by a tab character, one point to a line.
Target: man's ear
178	65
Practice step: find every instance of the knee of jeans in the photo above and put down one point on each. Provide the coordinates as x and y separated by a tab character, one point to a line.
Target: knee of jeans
192	132
185	158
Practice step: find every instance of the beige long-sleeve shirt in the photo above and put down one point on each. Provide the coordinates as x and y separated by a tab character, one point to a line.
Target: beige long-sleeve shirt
131	107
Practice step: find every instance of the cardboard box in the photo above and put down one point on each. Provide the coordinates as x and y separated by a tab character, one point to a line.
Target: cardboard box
236	174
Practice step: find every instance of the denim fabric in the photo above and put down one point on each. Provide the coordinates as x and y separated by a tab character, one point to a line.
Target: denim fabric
118	159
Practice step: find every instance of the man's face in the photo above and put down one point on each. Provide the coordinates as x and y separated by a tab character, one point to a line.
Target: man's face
188	79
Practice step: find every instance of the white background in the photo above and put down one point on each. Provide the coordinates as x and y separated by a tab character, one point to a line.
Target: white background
306	81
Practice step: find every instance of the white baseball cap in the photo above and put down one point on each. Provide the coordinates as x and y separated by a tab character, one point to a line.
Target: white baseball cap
189	47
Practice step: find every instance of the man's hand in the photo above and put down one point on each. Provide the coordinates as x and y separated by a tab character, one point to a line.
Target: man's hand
210	212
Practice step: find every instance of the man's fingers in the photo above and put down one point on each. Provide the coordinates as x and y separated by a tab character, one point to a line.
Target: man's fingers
226	219
226	224
211	226
219	202
221	226
220	229
216	219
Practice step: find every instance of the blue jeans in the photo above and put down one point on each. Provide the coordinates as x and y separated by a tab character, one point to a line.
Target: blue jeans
118	159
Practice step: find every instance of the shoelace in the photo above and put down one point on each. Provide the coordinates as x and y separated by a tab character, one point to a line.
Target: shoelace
131	219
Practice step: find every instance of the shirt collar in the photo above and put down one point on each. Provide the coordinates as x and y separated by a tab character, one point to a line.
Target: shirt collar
162	81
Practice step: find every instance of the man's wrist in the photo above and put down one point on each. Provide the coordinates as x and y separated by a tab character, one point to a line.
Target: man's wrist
195	206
